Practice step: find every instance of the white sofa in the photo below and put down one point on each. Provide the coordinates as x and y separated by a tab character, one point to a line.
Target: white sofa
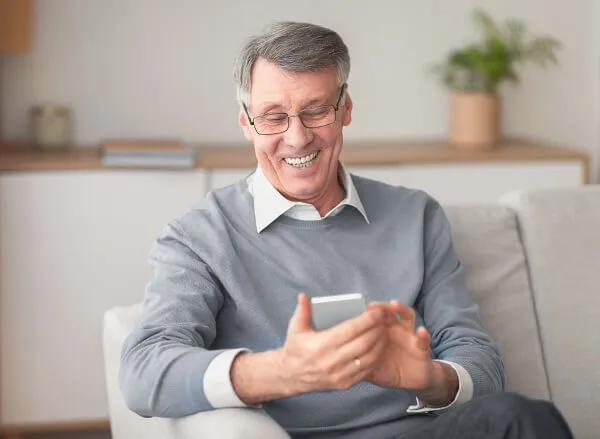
533	265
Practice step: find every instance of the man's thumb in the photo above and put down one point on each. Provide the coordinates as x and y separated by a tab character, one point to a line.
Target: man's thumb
300	321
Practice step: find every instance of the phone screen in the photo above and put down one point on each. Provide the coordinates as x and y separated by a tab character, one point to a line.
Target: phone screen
328	311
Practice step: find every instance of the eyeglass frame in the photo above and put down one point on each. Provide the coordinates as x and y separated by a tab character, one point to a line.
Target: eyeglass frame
336	107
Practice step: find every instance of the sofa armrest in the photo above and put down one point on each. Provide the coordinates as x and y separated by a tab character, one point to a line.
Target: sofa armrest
234	423
218	424
561	236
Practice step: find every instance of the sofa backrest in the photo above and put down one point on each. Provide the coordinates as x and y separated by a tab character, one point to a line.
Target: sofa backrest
560	229
487	242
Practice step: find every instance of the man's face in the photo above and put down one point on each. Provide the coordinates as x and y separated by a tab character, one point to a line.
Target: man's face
277	91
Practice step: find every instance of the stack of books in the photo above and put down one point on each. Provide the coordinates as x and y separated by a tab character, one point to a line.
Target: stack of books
147	154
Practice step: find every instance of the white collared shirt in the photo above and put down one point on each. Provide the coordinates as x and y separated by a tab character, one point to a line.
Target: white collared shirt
269	205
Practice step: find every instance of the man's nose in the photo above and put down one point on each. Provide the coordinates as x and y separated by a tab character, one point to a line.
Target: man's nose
297	134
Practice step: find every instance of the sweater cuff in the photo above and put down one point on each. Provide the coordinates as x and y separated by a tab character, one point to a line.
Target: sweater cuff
464	393
218	388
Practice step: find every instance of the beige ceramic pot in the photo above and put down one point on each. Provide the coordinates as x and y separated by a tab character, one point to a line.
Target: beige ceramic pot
474	120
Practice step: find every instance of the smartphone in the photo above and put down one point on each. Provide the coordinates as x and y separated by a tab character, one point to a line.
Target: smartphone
328	311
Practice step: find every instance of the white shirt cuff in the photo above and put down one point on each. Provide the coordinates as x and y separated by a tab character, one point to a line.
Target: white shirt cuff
217	381
464	393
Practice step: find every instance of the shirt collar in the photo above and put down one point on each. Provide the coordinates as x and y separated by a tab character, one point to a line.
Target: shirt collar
269	204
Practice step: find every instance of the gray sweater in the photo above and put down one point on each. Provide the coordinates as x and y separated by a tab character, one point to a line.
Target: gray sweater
220	285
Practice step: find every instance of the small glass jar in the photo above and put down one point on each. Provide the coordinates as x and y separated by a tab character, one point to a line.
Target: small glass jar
50	127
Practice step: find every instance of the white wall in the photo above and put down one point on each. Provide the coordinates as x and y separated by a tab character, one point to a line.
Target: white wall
157	68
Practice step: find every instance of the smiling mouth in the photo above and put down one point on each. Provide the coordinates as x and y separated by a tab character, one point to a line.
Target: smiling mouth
302	162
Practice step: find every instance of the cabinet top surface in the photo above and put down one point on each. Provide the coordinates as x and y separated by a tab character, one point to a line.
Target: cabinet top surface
376	153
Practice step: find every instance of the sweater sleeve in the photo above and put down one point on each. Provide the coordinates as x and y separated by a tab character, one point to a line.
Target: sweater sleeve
450	315
164	360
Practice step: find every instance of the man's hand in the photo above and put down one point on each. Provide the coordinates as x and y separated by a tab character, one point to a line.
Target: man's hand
336	358
407	364
312	361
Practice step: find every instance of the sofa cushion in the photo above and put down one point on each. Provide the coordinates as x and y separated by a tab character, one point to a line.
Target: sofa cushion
561	232
487	243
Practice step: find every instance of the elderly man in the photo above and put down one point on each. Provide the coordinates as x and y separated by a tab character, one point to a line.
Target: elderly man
224	323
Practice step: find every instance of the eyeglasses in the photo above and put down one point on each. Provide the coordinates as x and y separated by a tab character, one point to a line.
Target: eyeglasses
312	117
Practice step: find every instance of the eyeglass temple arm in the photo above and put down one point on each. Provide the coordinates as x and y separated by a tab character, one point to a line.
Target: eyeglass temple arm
247	114
337	105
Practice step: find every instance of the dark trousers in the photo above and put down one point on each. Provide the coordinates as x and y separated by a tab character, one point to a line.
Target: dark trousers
498	416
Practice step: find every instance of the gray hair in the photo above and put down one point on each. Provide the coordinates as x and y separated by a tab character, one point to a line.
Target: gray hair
295	47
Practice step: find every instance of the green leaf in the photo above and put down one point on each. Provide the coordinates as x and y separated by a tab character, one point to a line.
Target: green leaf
503	46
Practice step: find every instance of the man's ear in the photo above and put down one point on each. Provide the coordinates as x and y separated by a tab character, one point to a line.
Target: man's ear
347	105
245	124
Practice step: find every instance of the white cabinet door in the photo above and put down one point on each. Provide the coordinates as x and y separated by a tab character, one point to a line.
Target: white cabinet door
478	182
72	245
224	177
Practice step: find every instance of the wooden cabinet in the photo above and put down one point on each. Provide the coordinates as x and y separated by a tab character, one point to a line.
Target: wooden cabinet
452	176
15	25
481	183
457	183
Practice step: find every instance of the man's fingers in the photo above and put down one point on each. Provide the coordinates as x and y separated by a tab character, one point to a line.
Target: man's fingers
394	309
360	367
362	344
389	315
406	312
300	321
423	339
351	329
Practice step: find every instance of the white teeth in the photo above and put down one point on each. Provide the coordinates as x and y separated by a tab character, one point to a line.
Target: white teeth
302	162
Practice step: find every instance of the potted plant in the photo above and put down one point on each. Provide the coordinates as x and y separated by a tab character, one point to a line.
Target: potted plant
473	74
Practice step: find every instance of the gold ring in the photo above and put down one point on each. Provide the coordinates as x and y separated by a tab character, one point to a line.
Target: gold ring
357	362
